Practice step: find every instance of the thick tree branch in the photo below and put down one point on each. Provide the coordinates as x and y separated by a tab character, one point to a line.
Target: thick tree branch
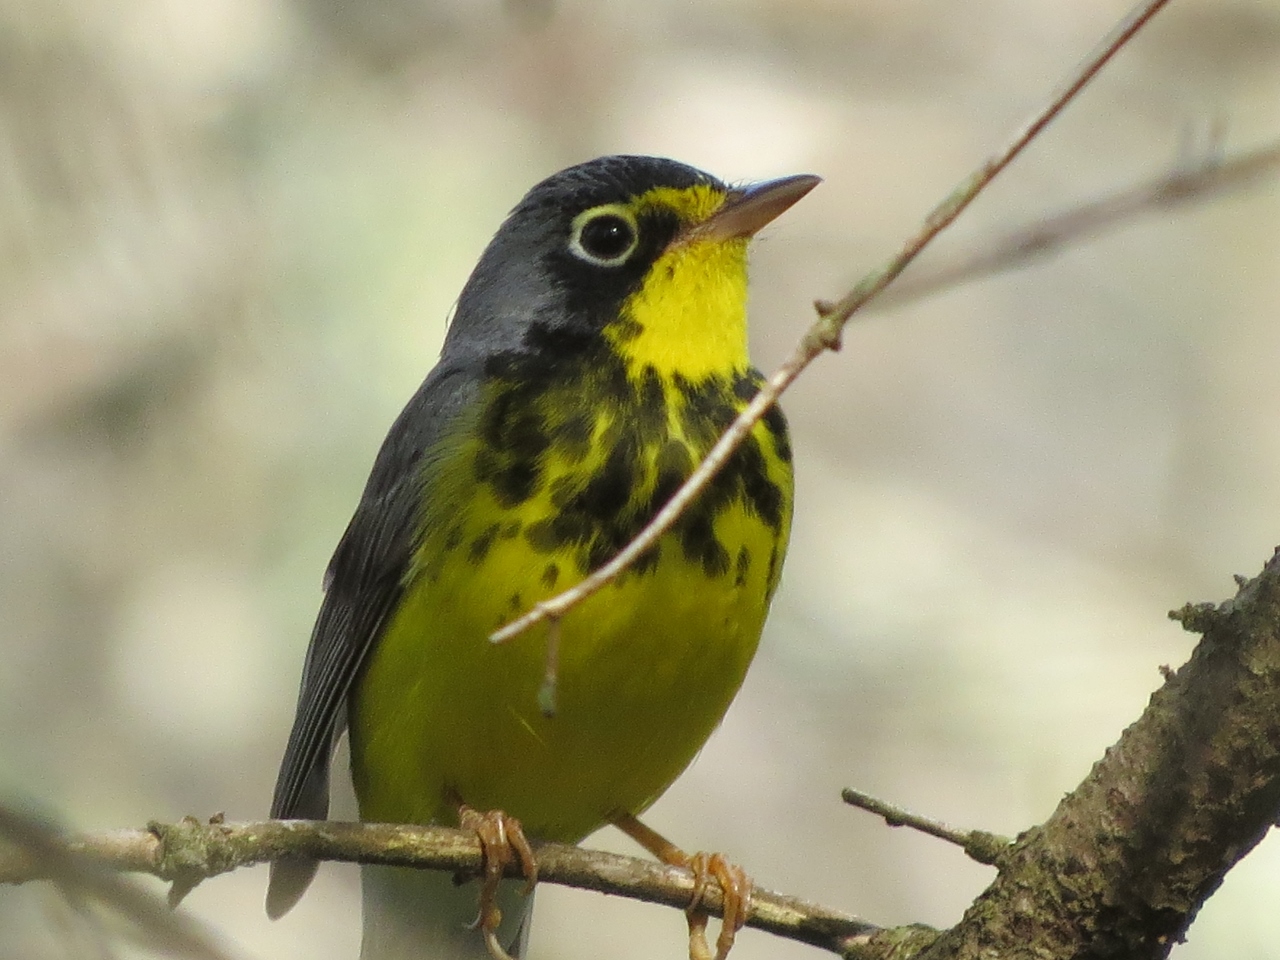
1129	857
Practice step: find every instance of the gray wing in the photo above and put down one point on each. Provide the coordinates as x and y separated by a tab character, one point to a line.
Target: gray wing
363	586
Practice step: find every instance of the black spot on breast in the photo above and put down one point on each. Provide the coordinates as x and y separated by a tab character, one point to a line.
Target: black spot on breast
608	435
479	548
515	602
741	566
708	409
746	385
613	383
673	465
625	328
601	551
610	487
564	530
535	399
542	536
453	537
762	494
514	426
698	540
571	436
776	423
515	438
647	562
650	415
550	575
517	483
563	489
512	480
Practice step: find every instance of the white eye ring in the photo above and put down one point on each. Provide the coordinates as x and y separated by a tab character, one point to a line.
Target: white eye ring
605	236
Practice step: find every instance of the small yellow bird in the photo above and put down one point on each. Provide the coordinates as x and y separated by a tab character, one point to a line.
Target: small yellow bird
598	351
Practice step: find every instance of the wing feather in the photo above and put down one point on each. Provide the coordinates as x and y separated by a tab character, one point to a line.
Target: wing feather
364	583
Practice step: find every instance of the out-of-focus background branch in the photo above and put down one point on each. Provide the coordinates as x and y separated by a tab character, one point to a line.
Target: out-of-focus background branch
231	233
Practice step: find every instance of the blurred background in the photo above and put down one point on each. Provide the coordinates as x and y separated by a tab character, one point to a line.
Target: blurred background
231	232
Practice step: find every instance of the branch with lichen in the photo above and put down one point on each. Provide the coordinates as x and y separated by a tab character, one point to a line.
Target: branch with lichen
1120	869
1128	858
192	851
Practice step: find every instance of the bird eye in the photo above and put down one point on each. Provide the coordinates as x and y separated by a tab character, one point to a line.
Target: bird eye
606	236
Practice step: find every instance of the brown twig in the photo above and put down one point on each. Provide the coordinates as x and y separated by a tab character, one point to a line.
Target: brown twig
190	851
826	331
979	845
1048	235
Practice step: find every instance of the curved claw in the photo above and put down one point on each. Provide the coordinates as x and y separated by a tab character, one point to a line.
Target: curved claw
736	889
734	882
494	946
502	842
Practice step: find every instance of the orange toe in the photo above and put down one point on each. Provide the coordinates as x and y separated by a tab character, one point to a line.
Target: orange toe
502	843
736	887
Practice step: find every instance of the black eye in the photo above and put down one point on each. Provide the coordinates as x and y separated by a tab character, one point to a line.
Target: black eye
606	237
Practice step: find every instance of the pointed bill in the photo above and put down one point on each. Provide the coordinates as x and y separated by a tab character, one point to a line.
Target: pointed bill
747	209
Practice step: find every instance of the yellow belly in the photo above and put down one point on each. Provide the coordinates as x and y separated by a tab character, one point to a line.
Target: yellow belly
648	667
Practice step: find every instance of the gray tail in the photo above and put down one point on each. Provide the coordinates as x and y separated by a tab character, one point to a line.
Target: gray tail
289	881
424	915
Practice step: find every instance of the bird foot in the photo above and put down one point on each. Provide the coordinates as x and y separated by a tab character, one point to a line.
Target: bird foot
502	843
736	888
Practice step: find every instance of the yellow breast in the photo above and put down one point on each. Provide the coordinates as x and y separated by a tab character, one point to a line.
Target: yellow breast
648	666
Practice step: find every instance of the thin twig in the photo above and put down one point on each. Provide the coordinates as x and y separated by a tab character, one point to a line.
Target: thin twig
825	333
978	845
1048	235
190	851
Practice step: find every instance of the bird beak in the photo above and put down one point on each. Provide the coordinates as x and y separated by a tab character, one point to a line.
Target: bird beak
746	210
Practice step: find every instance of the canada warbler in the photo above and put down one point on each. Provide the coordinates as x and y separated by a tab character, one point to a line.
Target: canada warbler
597	352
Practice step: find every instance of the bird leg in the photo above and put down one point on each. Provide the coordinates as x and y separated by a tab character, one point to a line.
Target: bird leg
502	842
735	885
